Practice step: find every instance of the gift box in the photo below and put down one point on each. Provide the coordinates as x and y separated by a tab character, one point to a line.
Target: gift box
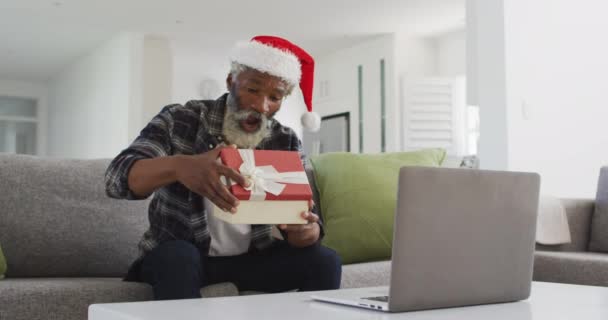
278	193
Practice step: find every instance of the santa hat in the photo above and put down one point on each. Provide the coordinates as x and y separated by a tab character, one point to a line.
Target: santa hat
281	58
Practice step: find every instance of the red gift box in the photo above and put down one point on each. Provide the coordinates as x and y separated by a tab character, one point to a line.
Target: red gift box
279	190
282	161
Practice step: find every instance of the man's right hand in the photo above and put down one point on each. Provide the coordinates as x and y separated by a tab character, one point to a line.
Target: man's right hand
201	174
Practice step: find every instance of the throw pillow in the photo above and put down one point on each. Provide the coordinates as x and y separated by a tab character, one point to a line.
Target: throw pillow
2	264
358	194
599	222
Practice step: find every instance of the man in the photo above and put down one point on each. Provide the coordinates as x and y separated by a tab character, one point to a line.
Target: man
175	158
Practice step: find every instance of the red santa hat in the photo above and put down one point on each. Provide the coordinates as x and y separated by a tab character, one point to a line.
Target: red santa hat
281	58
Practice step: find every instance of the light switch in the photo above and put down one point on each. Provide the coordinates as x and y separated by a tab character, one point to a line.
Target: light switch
525	110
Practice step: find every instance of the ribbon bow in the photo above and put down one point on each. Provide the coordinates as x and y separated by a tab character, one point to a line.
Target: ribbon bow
266	178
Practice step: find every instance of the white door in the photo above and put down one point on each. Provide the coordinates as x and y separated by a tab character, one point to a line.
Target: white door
434	114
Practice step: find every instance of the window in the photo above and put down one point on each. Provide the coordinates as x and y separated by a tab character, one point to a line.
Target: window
18	125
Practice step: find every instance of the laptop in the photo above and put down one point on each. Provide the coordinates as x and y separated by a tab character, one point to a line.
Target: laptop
461	237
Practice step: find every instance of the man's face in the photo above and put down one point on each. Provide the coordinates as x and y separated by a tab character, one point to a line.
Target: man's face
259	94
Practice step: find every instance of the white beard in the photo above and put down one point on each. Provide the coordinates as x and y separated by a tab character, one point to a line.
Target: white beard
234	134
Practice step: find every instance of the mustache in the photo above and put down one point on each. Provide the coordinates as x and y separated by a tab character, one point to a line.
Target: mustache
246	114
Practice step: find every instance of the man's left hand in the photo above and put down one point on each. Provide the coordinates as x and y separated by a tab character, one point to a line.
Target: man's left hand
303	235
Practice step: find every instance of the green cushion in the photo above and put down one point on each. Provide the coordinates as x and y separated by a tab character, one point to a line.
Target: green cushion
2	264
358	194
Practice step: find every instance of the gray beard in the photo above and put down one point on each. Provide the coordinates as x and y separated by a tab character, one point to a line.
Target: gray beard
232	131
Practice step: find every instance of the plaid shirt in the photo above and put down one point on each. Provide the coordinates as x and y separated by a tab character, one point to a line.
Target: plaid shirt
176	213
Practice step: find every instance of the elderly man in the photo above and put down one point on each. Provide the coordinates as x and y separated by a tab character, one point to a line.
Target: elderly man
175	158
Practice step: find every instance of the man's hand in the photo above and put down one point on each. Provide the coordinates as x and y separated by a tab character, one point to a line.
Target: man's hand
201	174
303	235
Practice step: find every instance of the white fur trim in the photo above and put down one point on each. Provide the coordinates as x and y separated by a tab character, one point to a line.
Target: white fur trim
268	59
311	121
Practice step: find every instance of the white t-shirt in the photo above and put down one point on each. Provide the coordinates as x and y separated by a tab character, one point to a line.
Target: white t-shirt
226	239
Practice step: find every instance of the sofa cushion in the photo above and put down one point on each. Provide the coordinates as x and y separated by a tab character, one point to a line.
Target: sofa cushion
599	224
2	264
69	298
58	222
579	213
358	196
586	268
367	274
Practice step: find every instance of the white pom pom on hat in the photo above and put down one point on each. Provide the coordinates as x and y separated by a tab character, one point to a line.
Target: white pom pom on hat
311	121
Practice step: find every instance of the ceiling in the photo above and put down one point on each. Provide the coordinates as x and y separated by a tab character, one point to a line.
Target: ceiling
39	37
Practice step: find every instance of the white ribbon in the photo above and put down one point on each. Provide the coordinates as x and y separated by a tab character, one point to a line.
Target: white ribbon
266	178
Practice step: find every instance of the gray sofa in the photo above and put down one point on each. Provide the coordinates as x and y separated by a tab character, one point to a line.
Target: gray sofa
573	262
68	245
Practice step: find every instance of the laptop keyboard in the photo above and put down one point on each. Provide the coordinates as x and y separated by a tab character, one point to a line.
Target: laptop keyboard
381	298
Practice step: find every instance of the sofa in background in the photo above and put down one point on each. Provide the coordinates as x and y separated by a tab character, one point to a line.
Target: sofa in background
68	245
573	262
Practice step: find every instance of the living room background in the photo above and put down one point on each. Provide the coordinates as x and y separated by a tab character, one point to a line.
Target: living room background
100	71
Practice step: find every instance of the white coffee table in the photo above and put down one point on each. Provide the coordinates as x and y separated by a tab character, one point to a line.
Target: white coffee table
549	301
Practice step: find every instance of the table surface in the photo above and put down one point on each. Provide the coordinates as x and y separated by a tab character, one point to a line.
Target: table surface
548	301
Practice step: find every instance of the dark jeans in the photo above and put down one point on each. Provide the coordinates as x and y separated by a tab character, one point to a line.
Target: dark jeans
176	270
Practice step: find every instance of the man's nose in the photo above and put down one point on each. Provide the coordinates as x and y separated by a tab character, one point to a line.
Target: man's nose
262	105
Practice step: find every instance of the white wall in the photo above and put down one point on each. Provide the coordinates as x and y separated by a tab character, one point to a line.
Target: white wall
416	56
541	88
486	79
442	54
151	79
292	109
451	54
157	78
100	103
194	64
37	91
556	85
89	103
339	73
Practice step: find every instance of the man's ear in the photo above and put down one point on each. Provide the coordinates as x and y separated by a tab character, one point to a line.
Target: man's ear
229	81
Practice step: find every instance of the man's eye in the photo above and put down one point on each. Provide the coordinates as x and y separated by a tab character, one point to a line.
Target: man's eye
275	99
252	90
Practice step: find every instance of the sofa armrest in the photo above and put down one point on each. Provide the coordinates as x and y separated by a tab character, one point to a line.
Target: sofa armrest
579	212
